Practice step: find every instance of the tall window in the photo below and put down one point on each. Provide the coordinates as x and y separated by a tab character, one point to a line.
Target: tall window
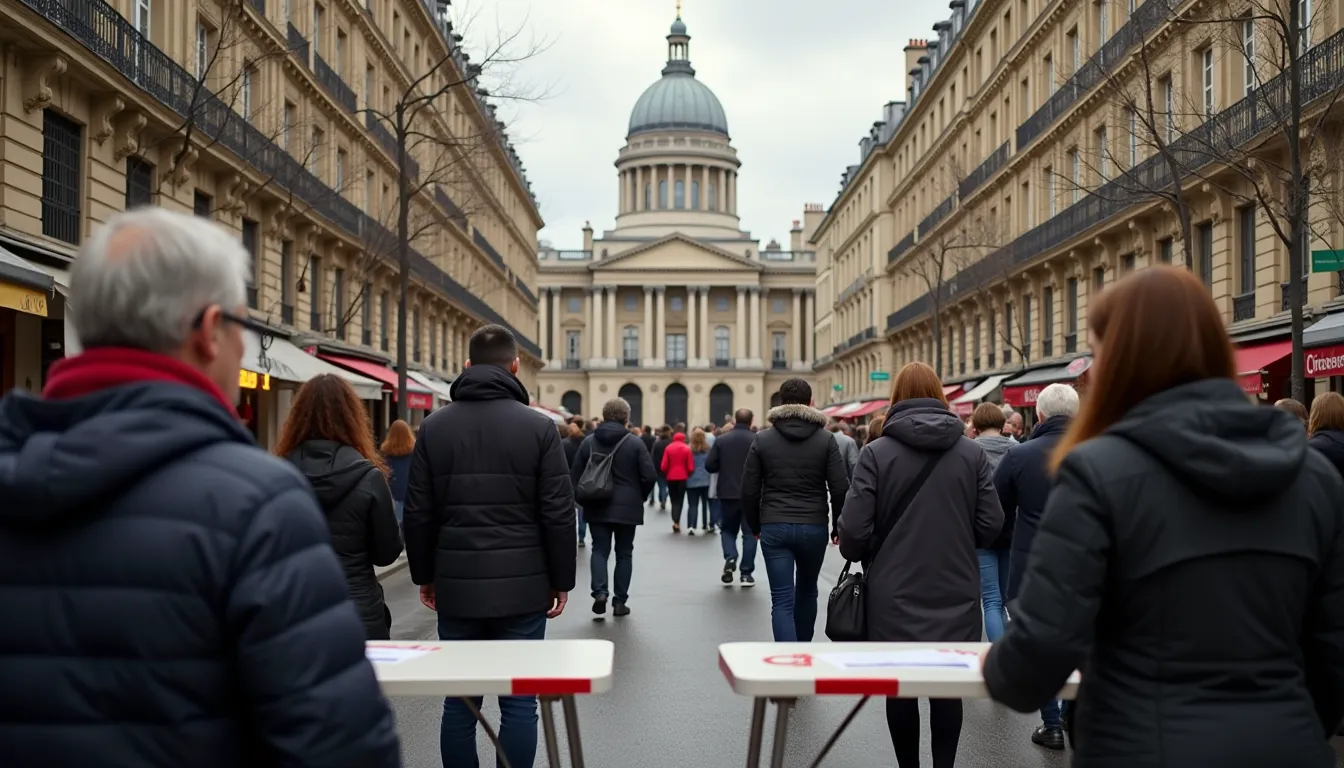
1206	57
676	349
1052	85
1248	53
1007	332
1098	279
1304	17
366	315
317	28
679	194
695	195
961	349
415	335
713	196
1075	174
1103	23
433	340
1127	263
1246	245
1075	53
630	344
722	344
202	49
340	64
1051	190
1133	139
662	195
1026	322
315	151
61	142
1047	320
338	295
1164	248
202	204
287	282
316	278
139	182
340	170
573	346
1168	90
245	86
975	340
143	11
1103	155
1204	242
779	347
993	339
286	123
251	245
1071	306
648	196
368	191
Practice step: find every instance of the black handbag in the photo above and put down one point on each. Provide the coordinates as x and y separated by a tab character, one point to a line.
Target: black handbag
847	607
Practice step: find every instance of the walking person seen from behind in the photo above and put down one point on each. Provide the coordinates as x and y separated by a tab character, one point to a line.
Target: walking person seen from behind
396	449
697	485
728	458
1326	427
986	425
664	439
327	437
677	466
172	595
1190	562
490	529
571	437
793	476
614	512
922	502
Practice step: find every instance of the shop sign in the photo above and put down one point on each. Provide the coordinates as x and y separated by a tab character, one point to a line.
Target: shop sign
1017	396
419	401
1325	361
879	376
23	299
254	380
1078	367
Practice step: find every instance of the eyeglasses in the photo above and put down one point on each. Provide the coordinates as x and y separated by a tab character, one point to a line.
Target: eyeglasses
246	322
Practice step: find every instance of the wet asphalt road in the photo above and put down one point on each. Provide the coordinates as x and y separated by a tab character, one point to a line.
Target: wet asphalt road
670	707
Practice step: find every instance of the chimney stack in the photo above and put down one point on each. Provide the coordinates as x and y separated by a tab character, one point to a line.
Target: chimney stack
587	236
913	51
796	236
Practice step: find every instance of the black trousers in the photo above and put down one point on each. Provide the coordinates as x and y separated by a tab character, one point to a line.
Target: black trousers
677	490
944	730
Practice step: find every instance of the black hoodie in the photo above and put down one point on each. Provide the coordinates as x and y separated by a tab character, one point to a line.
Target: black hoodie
358	504
1190	562
790	470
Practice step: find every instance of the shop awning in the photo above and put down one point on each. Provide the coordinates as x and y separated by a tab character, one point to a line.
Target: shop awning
1023	390
965	404
951	390
1253	360
418	396
439	387
284	361
831	409
24	286
1327	330
859	409
552	415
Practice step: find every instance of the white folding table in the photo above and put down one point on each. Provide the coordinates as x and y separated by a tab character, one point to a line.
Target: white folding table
782	673
551	670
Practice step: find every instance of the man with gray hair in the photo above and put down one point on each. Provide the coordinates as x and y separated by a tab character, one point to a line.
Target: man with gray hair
172	584
1023	482
849	449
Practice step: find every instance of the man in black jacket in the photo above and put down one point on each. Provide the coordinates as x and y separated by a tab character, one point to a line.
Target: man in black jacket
656	453
489	528
789	470
633	478
728	457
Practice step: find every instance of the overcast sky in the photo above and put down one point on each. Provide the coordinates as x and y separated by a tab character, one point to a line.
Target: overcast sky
801	83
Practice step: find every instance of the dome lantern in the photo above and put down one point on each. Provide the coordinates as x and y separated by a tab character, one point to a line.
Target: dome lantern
678	101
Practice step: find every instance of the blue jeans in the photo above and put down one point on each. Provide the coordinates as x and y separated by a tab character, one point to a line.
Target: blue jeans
716	512
732	523
398	507
793	599
697	499
603	533
583	524
993	585
660	491
517	714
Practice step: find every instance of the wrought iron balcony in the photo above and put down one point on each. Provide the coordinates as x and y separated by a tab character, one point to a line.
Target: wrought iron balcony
572	364
489	249
898	250
629	362
935	216
564	255
333	83
531	297
297	43
380	132
854	287
983	172
1287	297
1243	307
454	212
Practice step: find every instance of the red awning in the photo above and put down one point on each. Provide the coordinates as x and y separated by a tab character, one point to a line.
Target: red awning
1252	360
831	409
963	409
865	409
418	397
951	389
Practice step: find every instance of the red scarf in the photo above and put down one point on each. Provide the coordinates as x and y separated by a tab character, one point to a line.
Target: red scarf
94	370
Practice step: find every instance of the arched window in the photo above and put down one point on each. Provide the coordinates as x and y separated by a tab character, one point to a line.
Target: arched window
722	345
648	196
630	345
713	196
662	194
679	194
695	195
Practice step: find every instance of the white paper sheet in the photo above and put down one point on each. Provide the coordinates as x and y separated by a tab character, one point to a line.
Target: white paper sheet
395	654
883	659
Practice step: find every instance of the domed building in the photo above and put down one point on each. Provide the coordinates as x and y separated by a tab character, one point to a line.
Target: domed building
676	309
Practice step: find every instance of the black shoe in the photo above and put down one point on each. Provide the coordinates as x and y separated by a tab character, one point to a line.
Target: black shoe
690	532
620	609
729	566
1050	738
748	580
600	605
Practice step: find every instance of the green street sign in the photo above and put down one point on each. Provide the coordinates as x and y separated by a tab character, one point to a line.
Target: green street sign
879	376
1327	261
838	387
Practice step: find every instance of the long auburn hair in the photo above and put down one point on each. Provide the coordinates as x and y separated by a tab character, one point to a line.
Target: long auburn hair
916	380
326	408
400	440
698	442
1327	412
1156	329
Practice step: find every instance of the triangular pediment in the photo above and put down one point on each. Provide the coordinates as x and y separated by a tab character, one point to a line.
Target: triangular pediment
676	253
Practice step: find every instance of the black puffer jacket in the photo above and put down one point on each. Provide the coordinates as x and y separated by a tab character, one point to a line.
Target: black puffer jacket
790	469
631	469
1330	442
657	451
1191	563
1023	482
358	504
170	594
489	515
728	457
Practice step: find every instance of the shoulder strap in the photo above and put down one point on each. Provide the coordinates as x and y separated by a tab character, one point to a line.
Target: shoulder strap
889	523
618	444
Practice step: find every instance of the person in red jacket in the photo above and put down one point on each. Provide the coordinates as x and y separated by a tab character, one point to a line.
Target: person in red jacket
677	466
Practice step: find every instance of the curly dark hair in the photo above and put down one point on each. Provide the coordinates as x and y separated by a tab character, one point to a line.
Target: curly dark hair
326	408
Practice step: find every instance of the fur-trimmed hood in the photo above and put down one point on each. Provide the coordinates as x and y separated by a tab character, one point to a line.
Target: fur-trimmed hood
796	422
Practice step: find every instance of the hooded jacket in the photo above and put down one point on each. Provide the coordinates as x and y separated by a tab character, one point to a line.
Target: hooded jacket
631	471
1330	443
791	470
489	516
657	451
996	447
678	463
170	590
364	532
1023	481
728	458
923	580
1190	563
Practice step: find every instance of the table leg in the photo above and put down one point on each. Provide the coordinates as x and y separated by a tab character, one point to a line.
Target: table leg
572	731
548	730
757	733
782	709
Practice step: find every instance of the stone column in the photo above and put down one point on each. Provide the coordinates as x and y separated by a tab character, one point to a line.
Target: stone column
706	338
704	187
721	191
613	348
639	188
755	323
646	333
691	348
795	348
732	192
557	337
660	339
809	323
741	330
543	310
595	324
620	207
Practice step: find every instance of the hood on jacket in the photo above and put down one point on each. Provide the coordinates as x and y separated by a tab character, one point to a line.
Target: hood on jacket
924	424
488	382
679	438
609	433
1214	440
796	422
1332	436
334	470
995	446
61	458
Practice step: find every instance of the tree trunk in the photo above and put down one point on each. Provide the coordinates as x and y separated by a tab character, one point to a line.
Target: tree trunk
403	262
1297	204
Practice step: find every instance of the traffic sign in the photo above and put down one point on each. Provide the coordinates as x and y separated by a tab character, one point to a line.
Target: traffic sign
879	376
1327	261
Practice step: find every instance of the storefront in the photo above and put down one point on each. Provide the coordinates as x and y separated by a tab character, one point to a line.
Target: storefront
964	404
1324	354
1263	369
859	410
1022	391
419	398
26	325
442	389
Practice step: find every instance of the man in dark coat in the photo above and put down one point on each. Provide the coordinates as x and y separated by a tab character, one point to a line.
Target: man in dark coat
170	592
656	453
1023	482
794	475
728	457
633	478
646	437
490	527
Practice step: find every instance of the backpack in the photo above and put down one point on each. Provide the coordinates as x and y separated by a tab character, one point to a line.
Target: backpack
597	484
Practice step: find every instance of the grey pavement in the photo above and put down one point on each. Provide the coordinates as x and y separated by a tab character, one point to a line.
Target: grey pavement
670	706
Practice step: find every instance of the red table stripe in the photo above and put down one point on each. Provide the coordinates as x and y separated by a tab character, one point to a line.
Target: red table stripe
550	686
849	686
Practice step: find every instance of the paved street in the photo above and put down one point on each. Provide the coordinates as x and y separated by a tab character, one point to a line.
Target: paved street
670	707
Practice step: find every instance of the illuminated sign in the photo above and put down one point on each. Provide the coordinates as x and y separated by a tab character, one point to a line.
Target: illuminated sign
23	299
254	380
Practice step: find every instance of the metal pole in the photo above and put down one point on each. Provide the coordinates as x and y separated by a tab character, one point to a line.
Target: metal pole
572	731
826	748
489	732
782	708
757	734
548	729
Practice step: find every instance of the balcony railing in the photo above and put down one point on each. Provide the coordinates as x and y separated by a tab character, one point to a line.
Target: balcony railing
854	287
1287	297
935	216
983	172
564	255
297	42
572	365
676	363
866	334
454	212
489	249
531	297
769	255
1322	69
898	250
1243	307
381	133
333	83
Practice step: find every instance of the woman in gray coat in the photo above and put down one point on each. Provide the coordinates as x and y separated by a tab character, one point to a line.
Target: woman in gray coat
924	576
